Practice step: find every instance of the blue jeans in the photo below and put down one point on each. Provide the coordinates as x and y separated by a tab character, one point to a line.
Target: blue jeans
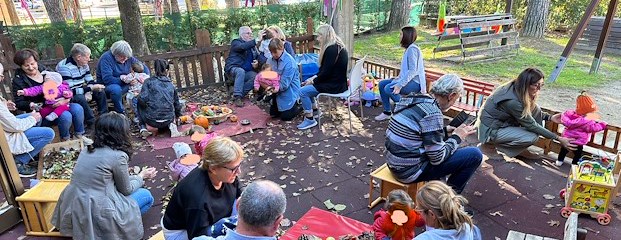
143	197
115	92
244	81
89	116
307	96
38	138
385	88
74	116
461	166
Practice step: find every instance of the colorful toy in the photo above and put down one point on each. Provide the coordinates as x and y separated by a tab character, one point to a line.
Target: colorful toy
369	99
591	187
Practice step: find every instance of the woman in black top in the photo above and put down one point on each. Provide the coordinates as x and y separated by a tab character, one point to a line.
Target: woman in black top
207	194
332	76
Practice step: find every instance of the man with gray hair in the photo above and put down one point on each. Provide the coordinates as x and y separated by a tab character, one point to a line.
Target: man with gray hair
419	147
241	64
261	208
112	64
77	74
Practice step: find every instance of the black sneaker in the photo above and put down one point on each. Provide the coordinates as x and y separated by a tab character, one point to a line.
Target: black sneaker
260	97
26	171
239	102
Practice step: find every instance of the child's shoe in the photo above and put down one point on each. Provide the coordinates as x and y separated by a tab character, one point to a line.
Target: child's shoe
559	163
307	123
85	140
144	133
174	132
51	117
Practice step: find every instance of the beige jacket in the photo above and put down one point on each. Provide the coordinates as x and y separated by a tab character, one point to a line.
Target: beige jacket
14	129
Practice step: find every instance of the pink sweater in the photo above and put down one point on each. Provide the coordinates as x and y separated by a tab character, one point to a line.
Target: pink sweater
259	81
38	90
579	128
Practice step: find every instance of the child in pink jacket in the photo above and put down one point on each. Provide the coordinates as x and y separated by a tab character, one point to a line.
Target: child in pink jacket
48	111
267	80
579	125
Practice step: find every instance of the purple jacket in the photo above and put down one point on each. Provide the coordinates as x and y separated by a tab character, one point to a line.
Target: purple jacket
579	128
38	90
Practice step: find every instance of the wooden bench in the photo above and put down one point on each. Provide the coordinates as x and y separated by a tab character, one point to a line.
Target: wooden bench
572	232
476	92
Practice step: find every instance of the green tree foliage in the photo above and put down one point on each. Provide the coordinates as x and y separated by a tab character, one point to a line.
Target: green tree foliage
173	32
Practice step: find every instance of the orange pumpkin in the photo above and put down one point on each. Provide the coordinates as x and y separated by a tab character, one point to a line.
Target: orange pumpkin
205	108
184	119
233	118
202	121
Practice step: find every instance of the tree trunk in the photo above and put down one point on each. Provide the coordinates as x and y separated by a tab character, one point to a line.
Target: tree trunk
399	14
53	11
343	24
166	6
133	30
536	18
195	5
174	6
232	3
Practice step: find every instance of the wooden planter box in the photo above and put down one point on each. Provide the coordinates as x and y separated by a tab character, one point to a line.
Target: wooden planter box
76	144
37	206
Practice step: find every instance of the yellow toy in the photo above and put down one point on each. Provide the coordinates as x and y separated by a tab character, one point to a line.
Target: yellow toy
591	187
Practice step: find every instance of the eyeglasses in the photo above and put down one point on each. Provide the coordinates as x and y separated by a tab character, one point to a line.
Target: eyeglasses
538	85
234	169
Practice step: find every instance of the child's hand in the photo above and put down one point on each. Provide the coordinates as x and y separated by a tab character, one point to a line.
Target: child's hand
67	94
148	173
20	92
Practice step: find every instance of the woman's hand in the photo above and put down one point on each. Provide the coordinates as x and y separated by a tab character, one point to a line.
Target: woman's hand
11	105
147	173
36	116
309	81
556	118
464	131
98	87
450	129
566	142
396	89
20	92
61	102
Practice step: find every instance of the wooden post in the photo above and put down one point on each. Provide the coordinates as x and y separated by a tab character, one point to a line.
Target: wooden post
505	28
309	31
59	52
603	37
343	24
9	13
203	41
572	41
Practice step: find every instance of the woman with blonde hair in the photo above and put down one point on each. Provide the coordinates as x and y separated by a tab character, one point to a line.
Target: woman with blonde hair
443	211
207	194
278	33
332	75
510	120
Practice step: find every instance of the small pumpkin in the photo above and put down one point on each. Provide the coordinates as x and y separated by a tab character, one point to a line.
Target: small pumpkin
185	119
202	121
233	118
205	108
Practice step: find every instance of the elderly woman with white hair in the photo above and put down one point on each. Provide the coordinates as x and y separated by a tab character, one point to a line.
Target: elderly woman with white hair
419	146
112	64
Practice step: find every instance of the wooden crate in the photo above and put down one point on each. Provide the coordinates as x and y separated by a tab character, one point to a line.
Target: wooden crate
37	206
56	147
389	183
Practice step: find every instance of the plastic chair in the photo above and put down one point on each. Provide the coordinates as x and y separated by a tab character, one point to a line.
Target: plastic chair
355	82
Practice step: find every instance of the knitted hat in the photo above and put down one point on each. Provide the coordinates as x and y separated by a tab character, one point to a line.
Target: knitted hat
184	153
54	76
585	104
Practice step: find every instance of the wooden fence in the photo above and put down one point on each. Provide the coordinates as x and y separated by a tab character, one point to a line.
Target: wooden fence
607	140
590	37
190	69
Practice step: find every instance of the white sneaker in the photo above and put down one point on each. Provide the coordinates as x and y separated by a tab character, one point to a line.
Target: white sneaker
85	140
559	163
382	117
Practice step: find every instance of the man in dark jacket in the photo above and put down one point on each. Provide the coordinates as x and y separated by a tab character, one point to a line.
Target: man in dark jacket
241	63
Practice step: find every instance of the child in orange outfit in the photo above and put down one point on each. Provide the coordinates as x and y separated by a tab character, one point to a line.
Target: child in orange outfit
399	220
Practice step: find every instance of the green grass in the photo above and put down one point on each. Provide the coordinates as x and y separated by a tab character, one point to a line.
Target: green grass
543	54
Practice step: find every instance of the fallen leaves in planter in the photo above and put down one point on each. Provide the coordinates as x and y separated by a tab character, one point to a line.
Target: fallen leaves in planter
59	164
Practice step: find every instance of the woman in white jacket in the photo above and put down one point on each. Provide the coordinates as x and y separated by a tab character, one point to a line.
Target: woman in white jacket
24	138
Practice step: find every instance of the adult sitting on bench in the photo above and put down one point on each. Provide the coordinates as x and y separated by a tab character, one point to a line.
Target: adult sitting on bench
418	145
242	62
510	120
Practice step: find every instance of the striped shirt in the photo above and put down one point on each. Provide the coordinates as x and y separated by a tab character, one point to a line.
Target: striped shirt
415	137
78	77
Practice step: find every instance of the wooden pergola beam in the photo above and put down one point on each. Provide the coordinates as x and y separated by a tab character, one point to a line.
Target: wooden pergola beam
603	37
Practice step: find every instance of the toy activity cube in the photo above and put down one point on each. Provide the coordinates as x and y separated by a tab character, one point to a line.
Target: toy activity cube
591	187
